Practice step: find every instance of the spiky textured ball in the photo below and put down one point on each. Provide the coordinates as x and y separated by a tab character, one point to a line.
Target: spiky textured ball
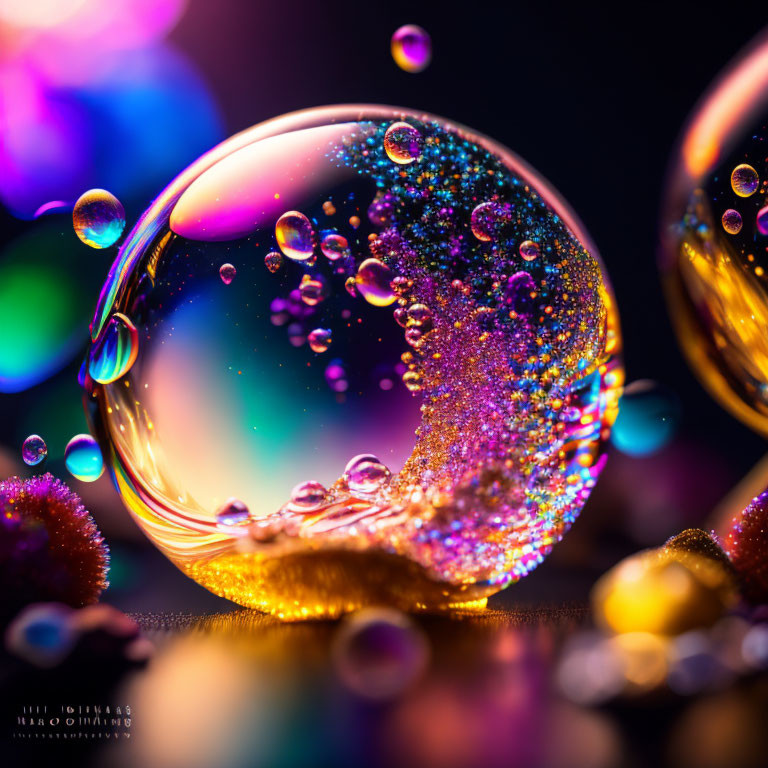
50	547
747	546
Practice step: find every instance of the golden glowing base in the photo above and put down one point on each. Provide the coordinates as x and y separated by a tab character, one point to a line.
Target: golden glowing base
326	584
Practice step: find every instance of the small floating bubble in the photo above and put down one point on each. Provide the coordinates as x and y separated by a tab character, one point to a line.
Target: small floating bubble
411	48
34	450
402	143
366	474
319	339
488	219
401	316
419	315
414	337
295	235
273	261
412	381
529	250
227	273
350	284
354	222
116	350
83	459
329	209
233	513
313	289
518	292
744	180
98	218
732	221
308	495
334	247
374	282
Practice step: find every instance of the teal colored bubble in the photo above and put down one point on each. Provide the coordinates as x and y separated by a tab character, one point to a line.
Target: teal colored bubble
648	418
83	459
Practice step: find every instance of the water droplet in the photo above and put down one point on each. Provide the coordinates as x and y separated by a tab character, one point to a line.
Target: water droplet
34	450
762	221
308	495
744	180
313	289
529	250
227	273
350	284
489	219
98	218
402	143
335	247
233	513
115	351
732	221
374	282
295	235
273	261
411	48
401	316
83	458
366	474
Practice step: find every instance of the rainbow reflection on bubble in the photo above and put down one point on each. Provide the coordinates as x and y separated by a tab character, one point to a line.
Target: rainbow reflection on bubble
459	426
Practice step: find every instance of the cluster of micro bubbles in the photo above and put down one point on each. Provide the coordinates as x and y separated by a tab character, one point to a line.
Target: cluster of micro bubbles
502	311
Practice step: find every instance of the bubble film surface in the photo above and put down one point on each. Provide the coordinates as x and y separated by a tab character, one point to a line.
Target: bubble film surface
405	411
715	239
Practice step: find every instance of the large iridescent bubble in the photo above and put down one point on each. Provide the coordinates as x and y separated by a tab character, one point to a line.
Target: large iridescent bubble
405	392
715	239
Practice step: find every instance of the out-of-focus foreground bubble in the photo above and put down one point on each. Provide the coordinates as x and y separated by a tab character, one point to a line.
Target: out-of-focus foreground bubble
411	48
715	241
648	418
495	332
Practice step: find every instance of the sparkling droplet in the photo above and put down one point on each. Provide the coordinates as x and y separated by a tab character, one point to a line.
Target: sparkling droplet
116	350
308	495
414	337
335	247
295	235
732	221
411	48
412	381
320	339
83	458
273	261
227	273
34	450
374	282
233	513
489	219
366	474
744	180
529	250
402	143
98	218
762	221
313	289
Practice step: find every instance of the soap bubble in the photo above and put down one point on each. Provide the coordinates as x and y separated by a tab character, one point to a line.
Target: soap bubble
273	261
483	405
529	250
34	450
227	273
402	143
83	459
295	236
233	513
714	258
732	222
411	48
99	218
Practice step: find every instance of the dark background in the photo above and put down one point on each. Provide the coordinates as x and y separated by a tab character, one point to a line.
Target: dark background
593	97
